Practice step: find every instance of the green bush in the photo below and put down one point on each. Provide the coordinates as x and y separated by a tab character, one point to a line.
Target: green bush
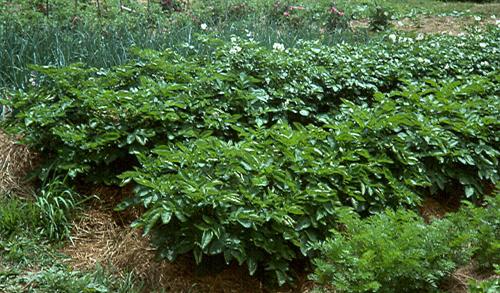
211	197
396	251
235	148
214	197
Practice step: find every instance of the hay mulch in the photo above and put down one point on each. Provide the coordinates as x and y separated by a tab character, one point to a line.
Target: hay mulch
99	238
459	280
16	161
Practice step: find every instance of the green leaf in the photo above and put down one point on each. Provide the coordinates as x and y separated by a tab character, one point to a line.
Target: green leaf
206	238
252	266
245	222
166	216
281	276
469	191
180	216
304	112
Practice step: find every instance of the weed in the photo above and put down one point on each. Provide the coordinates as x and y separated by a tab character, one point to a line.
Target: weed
380	19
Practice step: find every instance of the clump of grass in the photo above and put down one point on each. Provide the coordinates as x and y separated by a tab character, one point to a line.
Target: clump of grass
17	215
56	202
28	263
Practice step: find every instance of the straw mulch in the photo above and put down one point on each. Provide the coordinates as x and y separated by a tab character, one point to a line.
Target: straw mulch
103	236
458	282
16	161
99	239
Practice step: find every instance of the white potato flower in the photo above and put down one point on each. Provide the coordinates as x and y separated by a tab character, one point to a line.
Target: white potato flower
278	47
235	50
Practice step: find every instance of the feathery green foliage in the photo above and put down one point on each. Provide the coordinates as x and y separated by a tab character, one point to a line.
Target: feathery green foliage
395	250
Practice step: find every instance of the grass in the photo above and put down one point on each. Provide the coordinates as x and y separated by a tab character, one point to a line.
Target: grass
31	263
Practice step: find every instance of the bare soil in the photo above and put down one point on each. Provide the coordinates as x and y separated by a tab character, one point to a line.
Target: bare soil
453	25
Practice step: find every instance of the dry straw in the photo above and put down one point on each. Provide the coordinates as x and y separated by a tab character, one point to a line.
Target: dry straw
98	238
16	161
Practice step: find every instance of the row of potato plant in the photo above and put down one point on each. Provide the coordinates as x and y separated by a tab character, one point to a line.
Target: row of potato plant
250	153
262	198
85	119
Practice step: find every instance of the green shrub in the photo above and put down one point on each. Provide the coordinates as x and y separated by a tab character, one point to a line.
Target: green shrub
109	115
398	252
214	197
